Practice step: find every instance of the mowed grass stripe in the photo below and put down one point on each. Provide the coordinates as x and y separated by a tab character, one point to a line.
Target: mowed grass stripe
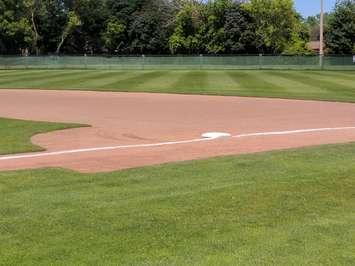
293	84
16	73
133	81
329	85
164	81
255	82
9	73
320	90
219	82
74	81
12	73
336	74
346	83
65	80
109	80
194	81
100	79
25	75
316	85
323	87
158	78
275	83
34	79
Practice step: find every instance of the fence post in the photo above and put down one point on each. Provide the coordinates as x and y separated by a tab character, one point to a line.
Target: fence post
85	61
143	61
108	62
5	62
260	61
25	61
201	61
321	62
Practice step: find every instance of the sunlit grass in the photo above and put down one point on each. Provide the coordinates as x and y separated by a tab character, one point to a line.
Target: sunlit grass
15	135
315	85
292	207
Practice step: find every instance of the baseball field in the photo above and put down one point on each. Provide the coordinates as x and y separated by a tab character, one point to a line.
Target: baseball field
103	167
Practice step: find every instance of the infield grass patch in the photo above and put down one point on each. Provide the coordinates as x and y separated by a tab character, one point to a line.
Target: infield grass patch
15	135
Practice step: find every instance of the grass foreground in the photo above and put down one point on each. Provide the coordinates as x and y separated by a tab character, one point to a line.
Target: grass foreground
311	85
292	207
15	135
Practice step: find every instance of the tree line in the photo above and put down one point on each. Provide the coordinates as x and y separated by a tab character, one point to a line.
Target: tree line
169	27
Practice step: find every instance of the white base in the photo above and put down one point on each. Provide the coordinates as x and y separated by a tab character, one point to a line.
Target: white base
215	135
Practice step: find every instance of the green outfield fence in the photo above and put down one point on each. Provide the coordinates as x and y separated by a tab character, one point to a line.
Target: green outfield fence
178	62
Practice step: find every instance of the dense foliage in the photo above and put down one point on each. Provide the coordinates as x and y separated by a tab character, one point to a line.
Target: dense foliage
341	28
166	26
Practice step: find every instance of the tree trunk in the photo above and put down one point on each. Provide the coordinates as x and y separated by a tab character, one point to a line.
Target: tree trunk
35	41
62	39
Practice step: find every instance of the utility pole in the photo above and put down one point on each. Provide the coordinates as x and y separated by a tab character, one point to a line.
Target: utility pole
321	39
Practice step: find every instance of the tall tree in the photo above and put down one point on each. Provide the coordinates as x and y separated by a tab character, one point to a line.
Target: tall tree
87	37
51	23
277	24
163	26
15	28
187	34
151	28
340	36
72	23
113	35
213	31
35	9
239	30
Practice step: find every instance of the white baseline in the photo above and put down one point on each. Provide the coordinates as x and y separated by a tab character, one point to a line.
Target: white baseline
152	145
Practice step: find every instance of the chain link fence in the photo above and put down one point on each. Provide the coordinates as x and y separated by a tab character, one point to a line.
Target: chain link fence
179	62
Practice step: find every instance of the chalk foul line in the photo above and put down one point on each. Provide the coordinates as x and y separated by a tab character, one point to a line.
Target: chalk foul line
152	145
291	132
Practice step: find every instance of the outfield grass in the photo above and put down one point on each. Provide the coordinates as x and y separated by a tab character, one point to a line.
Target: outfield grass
316	85
293	207
15	135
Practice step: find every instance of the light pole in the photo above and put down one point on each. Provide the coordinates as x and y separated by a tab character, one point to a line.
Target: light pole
321	38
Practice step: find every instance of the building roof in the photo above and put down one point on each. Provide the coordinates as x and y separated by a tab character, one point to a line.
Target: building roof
314	45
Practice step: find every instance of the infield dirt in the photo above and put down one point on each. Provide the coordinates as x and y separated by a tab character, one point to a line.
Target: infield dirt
118	119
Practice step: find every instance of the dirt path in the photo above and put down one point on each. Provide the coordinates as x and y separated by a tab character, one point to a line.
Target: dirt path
125	119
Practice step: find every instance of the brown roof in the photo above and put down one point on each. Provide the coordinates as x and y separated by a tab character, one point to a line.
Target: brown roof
314	45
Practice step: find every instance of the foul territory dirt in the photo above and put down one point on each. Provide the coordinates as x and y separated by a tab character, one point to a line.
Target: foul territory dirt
119	119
